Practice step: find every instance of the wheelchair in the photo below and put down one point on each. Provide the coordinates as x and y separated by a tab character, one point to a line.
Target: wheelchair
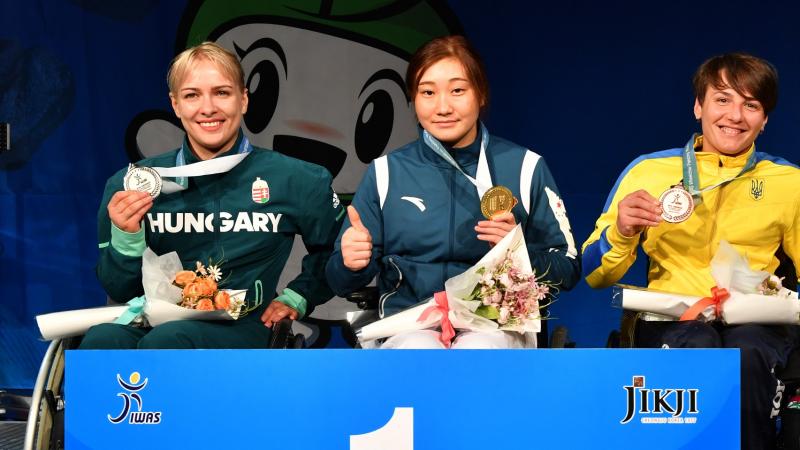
788	418
45	425
788	429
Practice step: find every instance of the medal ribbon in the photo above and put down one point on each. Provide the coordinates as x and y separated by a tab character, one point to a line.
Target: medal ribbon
483	179
182	171
691	179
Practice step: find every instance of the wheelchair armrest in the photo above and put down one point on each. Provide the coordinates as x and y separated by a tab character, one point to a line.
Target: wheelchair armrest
283	337
365	298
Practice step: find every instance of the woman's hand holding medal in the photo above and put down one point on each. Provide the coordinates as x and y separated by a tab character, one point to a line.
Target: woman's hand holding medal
496	205
636	211
496	228
127	208
356	243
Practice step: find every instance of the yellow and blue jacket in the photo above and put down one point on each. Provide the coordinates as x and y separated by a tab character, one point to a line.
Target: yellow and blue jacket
757	213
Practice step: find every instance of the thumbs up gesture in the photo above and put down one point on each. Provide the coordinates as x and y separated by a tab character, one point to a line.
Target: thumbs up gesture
356	242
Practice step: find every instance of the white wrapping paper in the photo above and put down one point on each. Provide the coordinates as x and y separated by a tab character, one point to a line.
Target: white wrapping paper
75	323
745	305
160	303
461	312
766	309
659	302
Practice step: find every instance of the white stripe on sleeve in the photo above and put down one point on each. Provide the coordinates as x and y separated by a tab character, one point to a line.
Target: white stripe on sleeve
382	178
525	177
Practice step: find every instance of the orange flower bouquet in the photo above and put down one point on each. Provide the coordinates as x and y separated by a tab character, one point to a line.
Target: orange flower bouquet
200	290
174	293
171	293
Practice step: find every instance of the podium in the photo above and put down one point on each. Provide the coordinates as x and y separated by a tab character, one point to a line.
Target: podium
402	399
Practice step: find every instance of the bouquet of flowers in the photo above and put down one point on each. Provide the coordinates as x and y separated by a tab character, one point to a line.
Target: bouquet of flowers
508	295
500	292
742	295
171	293
200	290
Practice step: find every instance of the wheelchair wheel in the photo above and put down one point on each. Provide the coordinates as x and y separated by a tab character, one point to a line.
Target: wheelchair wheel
45	428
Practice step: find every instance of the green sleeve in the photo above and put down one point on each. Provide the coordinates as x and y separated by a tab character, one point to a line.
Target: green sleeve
294	300
119	267
319	225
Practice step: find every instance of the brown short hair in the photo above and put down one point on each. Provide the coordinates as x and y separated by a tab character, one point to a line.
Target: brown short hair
746	74
448	47
209	51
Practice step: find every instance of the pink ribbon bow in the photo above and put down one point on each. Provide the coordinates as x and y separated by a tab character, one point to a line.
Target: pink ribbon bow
442	305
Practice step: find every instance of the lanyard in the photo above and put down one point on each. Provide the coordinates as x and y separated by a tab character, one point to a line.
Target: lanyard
691	179
182	171
483	180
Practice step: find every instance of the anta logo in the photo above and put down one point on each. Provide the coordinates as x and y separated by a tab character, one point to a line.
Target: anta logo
133	387
201	222
416	201
756	189
659	405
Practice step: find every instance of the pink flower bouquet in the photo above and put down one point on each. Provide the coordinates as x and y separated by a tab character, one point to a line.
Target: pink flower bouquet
500	292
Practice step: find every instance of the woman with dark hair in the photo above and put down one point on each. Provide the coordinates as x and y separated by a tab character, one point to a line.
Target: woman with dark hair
679	204
416	218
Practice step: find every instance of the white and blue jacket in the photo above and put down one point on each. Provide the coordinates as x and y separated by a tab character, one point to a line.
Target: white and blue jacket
421	213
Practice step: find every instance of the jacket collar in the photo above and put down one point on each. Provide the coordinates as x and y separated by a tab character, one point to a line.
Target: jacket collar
464	156
721	160
190	157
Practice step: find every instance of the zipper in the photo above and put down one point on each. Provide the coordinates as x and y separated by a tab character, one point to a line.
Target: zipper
386	295
218	208
451	226
711	249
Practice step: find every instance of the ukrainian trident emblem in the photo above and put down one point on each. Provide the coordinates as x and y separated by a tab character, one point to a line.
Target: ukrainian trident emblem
756	189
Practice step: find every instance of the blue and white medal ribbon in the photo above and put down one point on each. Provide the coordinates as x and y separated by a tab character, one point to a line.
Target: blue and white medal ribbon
149	179
483	179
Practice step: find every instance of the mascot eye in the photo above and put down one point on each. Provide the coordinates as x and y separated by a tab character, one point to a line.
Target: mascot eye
374	126
263	87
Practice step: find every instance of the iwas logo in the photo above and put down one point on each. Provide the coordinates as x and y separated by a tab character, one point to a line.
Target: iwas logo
663	405
134	386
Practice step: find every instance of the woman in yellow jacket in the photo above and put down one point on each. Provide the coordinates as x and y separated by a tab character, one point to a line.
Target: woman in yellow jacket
679	204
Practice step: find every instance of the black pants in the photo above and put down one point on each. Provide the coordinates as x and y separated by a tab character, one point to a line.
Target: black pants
763	348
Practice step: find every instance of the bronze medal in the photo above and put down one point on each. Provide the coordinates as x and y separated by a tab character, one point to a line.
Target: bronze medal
676	204
497	200
143	179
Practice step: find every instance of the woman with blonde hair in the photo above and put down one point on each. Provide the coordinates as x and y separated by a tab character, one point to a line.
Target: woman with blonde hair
244	214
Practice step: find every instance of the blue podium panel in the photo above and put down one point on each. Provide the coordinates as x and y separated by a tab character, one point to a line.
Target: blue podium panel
399	400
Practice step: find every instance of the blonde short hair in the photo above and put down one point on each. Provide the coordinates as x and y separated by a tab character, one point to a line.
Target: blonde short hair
209	51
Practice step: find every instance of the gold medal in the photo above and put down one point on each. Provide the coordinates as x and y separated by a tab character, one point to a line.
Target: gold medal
497	200
676	204
144	179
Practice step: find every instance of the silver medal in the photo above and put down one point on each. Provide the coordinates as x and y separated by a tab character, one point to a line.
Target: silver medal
676	205
143	179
